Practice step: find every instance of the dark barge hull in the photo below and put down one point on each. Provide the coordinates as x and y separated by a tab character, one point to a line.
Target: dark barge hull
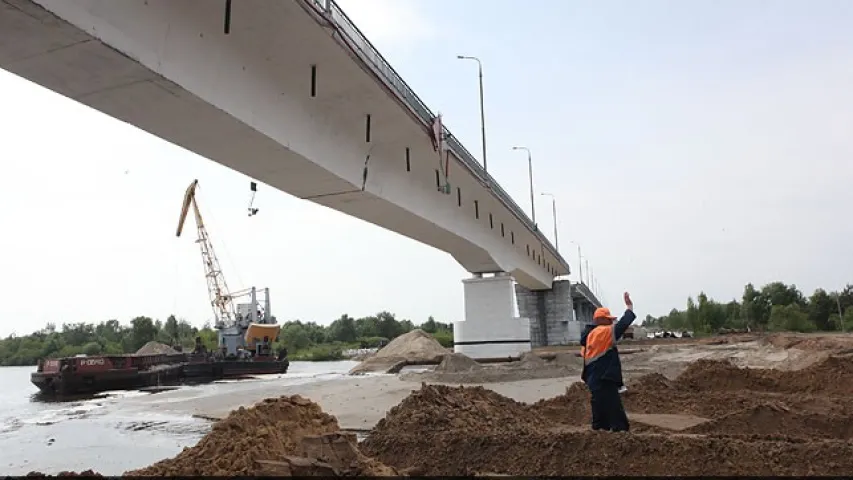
58	384
77	383
233	368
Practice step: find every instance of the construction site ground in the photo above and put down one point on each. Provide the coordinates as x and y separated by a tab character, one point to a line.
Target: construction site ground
694	411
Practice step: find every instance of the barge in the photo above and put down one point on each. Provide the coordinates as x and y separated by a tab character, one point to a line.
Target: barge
89	375
245	349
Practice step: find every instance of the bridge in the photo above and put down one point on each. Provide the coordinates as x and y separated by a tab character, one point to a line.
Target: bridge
292	94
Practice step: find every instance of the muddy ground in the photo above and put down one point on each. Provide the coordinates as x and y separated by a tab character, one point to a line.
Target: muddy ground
695	411
713	419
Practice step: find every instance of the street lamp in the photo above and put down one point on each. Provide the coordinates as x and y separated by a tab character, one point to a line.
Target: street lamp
530	175
580	261
482	108
554	212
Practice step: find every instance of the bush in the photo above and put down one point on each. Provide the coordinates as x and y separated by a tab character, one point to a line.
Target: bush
444	337
92	348
318	353
372	342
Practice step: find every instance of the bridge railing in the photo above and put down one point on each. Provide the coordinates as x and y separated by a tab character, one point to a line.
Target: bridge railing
584	290
383	68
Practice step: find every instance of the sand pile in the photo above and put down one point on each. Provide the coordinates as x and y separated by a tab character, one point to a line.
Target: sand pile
597	453
532	361
833	375
156	348
436	408
778	419
753	422
813	343
563	359
457	362
722	375
572	408
415	346
252	441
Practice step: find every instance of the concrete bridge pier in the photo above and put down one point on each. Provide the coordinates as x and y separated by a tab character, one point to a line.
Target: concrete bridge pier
551	314
583	312
491	327
494	328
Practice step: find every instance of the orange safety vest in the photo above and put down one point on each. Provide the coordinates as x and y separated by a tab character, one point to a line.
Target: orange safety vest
599	341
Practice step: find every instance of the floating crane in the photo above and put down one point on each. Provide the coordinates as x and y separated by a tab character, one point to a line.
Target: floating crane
240	325
217	288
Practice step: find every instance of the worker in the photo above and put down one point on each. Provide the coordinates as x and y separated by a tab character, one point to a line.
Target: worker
602	368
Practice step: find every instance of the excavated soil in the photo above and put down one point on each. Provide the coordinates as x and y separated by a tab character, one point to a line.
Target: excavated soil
713	419
273	430
457	368
456	363
442	408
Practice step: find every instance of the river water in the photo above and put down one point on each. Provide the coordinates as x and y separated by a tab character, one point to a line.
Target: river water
107	434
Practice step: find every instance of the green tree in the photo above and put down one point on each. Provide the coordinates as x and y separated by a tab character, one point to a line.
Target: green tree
295	336
92	348
143	330
343	330
790	318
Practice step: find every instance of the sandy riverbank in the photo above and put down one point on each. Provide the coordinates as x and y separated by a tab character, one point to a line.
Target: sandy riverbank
359	402
695	410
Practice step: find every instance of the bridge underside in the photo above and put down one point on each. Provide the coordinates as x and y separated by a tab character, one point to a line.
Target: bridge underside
304	151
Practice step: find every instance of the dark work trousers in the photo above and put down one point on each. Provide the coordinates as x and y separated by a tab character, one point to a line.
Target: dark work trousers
607	410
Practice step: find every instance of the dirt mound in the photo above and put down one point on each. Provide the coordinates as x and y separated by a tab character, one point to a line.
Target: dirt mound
652	381
271	430
813	343
778	419
832	376
416	345
568	453
463	409
722	375
563	359
570	408
156	348
531	360
457	362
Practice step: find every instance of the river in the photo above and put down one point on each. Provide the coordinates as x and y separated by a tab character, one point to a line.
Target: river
111	434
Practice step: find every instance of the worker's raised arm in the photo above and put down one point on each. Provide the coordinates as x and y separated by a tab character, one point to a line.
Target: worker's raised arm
627	318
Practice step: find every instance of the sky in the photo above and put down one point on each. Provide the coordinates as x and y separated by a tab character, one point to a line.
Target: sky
691	146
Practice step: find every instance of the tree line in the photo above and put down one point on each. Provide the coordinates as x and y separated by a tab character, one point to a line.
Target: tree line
303	340
774	307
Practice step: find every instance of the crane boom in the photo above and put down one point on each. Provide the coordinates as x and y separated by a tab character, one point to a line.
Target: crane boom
217	288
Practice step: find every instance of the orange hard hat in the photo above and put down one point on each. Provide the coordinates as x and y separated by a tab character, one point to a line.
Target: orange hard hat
602	313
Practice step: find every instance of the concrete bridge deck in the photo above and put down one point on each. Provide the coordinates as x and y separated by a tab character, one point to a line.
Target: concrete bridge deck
291	93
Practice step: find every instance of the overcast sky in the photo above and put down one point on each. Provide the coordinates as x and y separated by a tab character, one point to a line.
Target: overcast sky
691	146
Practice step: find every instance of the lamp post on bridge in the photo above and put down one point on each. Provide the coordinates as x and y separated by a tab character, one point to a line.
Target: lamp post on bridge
530	176
554	212
482	107
580	261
